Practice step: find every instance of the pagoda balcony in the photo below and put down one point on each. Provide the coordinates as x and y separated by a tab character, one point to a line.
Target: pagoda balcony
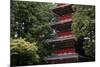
63	44
62	9
60	46
65	51
64	27
62	58
61	20
66	16
64	33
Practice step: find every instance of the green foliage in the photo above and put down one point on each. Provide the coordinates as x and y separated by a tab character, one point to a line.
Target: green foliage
23	52
84	25
83	17
30	20
89	48
32	16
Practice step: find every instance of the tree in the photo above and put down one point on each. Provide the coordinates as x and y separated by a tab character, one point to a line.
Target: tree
30	20
84	26
23	52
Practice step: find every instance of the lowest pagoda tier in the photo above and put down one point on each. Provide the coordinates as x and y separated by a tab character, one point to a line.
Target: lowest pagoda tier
62	58
64	49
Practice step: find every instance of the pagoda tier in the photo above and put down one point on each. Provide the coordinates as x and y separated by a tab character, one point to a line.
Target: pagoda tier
61	19
64	33
65	51
62	9
60	47
64	27
62	58
64	17
63	42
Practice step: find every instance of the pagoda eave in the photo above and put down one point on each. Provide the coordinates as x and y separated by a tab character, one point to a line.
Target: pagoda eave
53	58
61	10
61	38
64	5
61	22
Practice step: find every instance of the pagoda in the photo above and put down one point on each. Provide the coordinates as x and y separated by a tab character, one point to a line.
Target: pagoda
64	41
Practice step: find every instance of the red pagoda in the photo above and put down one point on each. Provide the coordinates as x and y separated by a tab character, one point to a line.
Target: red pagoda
65	41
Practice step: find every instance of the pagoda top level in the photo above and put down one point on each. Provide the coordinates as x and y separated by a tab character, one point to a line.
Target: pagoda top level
62	5
61	9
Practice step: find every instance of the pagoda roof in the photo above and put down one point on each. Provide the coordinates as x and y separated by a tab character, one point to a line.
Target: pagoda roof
75	55
58	10
61	22
61	38
63	5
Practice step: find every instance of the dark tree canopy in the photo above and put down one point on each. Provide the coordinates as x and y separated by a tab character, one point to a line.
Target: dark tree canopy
84	26
30	20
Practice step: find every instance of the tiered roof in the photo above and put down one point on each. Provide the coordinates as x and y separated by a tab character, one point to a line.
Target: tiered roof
62	9
64	42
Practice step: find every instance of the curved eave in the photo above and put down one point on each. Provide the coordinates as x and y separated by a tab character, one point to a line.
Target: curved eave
62	57
61	38
61	22
56	7
60	8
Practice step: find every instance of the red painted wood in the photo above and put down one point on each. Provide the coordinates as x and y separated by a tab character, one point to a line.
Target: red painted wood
64	17
64	13
68	50
64	33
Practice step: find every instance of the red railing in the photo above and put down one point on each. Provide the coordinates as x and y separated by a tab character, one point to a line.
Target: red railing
62	51
65	17
64	33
